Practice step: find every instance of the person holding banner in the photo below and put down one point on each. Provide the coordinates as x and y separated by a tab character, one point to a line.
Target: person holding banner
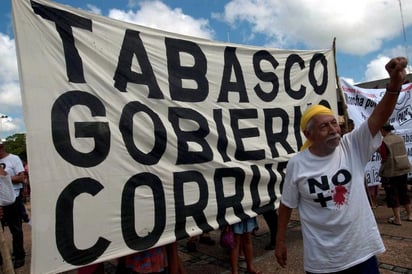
7	197
394	171
161	259
325	181
242	232
12	213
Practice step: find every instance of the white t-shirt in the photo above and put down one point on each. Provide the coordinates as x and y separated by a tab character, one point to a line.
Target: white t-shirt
338	226
13	167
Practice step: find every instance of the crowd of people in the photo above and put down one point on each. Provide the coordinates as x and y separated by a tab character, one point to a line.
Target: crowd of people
324	181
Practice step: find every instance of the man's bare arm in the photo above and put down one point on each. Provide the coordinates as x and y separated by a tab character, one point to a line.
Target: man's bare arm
19	178
283	220
383	110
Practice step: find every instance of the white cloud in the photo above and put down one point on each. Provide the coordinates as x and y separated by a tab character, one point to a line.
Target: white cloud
349	80
156	14
94	9
8	68
360	27
10	100
375	70
10	94
7	125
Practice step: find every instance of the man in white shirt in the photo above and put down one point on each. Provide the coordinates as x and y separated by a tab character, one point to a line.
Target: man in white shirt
12	213
325	181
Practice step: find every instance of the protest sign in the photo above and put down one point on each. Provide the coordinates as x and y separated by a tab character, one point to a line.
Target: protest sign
138	137
362	101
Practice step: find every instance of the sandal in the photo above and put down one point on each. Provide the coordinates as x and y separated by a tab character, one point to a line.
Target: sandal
392	222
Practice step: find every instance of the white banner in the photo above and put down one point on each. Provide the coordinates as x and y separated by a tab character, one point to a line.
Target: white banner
361	102
138	137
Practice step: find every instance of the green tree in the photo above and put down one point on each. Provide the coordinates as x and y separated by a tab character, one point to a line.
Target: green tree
16	144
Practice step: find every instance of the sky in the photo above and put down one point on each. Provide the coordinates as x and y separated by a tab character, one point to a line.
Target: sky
368	33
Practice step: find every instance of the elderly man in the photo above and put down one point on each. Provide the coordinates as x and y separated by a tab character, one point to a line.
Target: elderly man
325	181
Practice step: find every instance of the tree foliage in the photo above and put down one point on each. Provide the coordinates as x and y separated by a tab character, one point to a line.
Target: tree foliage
16	144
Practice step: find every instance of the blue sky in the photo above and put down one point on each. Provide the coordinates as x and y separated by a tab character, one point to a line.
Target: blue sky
368	33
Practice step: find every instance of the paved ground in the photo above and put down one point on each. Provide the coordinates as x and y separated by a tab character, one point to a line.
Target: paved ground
215	260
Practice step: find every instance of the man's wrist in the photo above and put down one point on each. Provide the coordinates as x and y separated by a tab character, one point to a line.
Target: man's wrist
393	90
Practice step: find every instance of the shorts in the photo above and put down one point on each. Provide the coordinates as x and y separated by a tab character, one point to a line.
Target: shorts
245	226
396	190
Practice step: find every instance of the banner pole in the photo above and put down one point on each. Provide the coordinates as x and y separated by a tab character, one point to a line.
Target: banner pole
340	92
5	253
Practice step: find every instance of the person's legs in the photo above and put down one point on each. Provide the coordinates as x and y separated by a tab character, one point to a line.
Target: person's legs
248	251
175	265
392	201
206	239
271	218
373	194
191	244
408	209
370	266
234	253
396	215
404	199
24	215
241	253
12	215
